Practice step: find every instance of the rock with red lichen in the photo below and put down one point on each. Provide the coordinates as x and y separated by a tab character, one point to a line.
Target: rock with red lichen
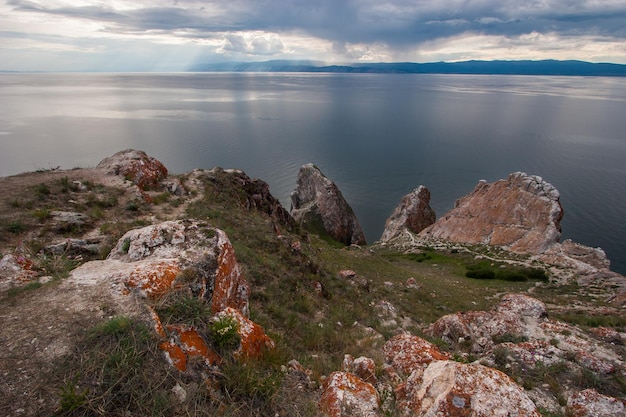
363	367
589	403
521	214
180	254
253	340
135	166
450	388
16	269
345	394
482	327
406	352
317	203
413	213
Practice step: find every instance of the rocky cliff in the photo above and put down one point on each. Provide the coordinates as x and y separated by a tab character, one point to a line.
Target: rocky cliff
520	214
413	214
318	204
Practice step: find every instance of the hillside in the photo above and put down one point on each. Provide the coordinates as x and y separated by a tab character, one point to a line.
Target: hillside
261	316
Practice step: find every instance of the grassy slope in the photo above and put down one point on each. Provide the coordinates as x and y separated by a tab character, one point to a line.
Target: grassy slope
315	329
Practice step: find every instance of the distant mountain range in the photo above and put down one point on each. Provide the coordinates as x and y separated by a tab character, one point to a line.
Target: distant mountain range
545	67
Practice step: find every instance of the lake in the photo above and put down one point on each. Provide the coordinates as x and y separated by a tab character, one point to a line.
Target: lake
378	136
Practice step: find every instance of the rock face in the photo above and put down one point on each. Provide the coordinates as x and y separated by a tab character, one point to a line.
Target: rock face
318	204
136	166
413	214
521	214
450	388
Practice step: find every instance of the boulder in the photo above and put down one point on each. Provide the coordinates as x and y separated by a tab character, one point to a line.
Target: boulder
318	204
406	353
345	394
520	214
450	388
153	260
590	403
483	328
413	214
135	166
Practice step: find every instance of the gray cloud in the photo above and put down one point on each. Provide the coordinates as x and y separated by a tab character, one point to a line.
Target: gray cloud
400	25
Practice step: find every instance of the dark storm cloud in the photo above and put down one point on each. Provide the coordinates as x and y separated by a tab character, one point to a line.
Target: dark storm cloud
395	23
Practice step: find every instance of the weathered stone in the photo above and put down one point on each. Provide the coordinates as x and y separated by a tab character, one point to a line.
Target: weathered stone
68	220
16	268
135	166
482	327
521	214
413	214
253	339
174	254
450	388
345	394
406	352
589	403
318	204
363	367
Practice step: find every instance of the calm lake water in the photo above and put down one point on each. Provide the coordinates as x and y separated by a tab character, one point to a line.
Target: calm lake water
377	136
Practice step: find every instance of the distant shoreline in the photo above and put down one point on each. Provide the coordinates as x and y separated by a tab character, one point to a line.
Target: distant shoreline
544	67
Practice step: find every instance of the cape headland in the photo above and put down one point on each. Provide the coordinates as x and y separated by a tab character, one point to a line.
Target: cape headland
124	289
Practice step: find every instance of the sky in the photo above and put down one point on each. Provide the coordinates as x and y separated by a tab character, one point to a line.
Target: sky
174	35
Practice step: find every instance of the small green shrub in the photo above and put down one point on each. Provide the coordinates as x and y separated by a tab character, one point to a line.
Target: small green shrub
161	198
16	227
71	399
223	333
41	214
126	245
42	190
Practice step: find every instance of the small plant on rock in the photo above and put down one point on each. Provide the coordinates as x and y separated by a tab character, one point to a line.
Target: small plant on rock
223	332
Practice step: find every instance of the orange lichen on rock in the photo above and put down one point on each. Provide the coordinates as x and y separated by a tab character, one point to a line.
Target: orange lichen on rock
136	166
406	352
254	341
230	288
155	279
175	355
185	342
591	403
346	394
455	389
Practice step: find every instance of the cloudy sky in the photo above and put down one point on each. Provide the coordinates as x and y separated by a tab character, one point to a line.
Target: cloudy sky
172	35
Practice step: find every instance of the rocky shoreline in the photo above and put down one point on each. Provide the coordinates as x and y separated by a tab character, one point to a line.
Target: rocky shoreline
168	255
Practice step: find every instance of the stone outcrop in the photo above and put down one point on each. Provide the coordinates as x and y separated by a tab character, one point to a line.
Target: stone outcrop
413	213
318	204
135	166
590	403
153	259
480	328
405	353
345	394
184	256
450	388
252	193
520	214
